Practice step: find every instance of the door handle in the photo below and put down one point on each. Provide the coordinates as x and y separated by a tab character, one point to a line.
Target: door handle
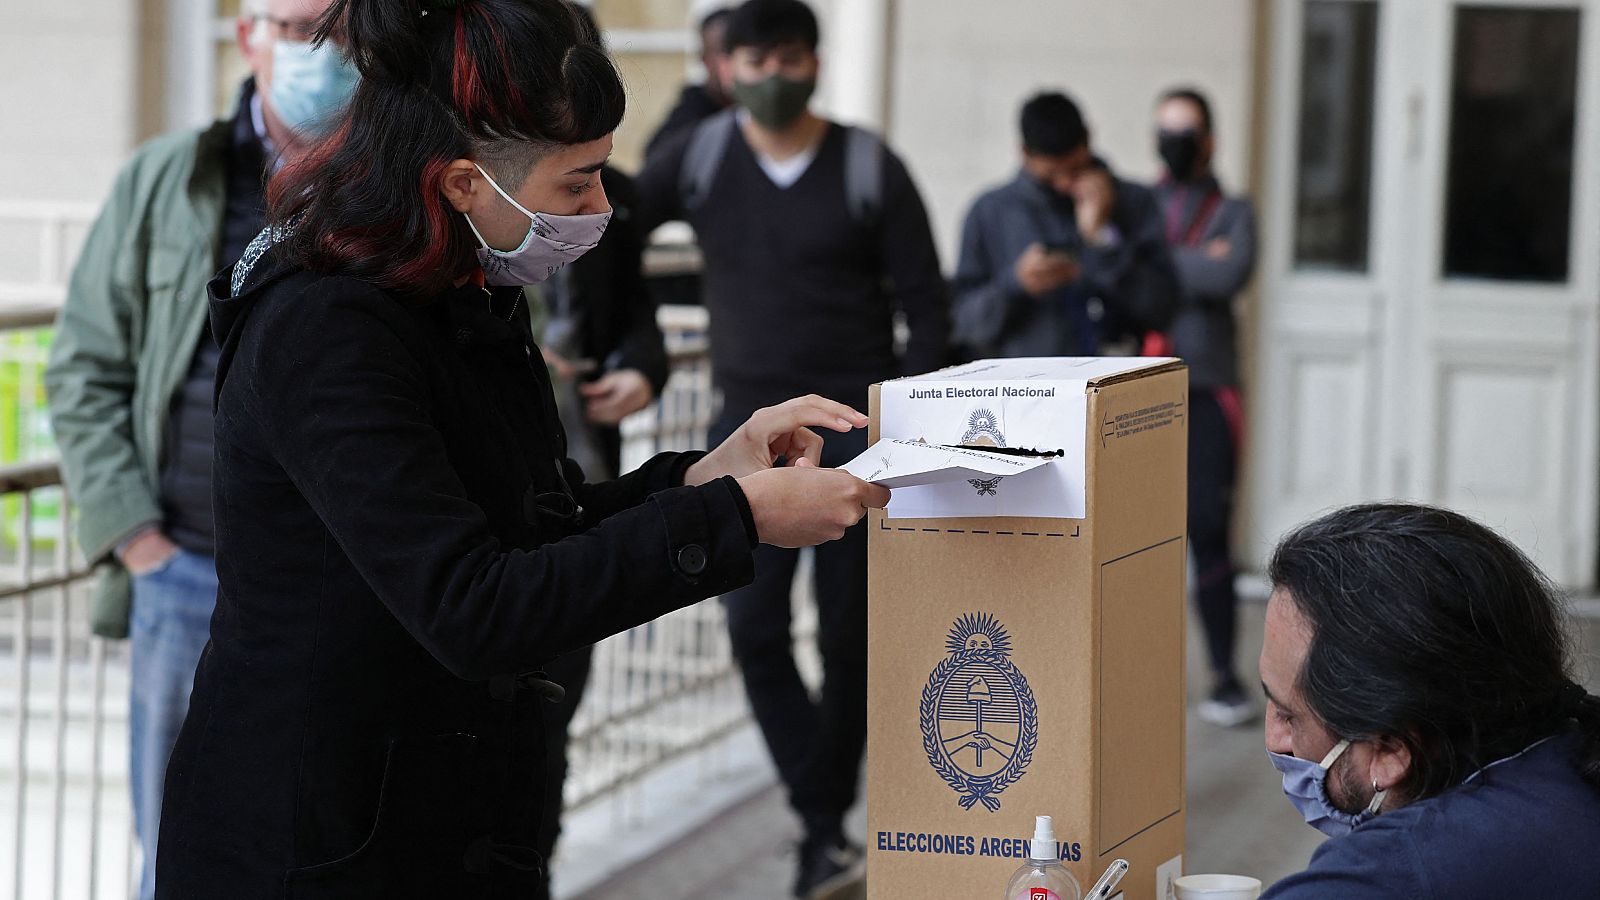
1415	106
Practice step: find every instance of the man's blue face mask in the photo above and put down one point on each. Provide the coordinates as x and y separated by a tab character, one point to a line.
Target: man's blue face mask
311	85
1306	785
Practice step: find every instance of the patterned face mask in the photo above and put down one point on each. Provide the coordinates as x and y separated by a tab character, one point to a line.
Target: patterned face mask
551	242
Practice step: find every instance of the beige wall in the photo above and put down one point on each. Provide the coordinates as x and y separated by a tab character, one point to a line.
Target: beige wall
69	101
652	81
959	74
642	13
652	78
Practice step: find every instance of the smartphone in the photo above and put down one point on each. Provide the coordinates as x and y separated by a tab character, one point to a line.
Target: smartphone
1062	249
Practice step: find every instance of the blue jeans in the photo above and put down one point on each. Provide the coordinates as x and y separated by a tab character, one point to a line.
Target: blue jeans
171	624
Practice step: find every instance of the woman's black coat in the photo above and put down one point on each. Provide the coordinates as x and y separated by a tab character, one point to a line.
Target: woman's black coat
398	549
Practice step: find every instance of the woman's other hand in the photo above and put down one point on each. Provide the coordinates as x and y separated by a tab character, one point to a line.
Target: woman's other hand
776	431
802	505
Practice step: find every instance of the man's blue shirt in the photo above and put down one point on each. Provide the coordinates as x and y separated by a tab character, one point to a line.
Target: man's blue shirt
1526	826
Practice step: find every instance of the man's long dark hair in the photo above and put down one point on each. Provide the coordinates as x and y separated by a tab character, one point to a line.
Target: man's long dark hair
495	81
1430	629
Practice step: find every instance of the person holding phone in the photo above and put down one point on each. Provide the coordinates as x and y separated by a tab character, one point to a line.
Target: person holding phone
1066	257
402	541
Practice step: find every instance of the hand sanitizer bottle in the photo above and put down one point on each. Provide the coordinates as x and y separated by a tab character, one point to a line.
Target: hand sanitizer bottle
1044	877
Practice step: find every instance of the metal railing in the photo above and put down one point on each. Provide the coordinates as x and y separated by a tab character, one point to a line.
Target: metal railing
656	693
63	706
66	831
668	687
44	237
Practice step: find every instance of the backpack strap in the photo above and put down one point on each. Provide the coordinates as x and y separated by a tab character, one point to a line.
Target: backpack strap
708	144
703	157
863	175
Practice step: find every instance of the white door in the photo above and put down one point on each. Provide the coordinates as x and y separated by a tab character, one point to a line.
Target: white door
1430	314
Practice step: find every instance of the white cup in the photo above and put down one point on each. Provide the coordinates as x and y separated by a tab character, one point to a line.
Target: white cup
1217	887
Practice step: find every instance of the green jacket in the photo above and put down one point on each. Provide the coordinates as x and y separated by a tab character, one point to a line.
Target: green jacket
124	340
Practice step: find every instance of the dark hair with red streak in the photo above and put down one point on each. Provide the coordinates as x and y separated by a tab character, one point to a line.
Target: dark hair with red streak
500	82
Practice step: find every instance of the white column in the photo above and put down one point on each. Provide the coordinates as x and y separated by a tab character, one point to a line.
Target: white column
855	47
191	60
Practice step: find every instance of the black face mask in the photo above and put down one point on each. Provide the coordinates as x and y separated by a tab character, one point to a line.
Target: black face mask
1180	150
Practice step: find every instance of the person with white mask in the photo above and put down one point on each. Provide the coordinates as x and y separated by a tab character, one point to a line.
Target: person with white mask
131	372
403	542
1423	712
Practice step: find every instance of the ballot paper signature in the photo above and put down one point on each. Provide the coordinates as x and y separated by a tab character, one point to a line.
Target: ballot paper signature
901	463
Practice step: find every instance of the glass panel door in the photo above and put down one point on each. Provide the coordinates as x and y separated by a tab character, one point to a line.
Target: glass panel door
1513	103
1333	183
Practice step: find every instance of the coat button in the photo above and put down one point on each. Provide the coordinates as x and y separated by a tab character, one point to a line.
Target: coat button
692	559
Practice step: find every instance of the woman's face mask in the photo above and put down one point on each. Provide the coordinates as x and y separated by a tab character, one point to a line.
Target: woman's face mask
311	85
1306	785
552	242
1180	150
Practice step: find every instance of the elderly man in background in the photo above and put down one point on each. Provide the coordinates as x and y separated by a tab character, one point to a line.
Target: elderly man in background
1423	713
131	370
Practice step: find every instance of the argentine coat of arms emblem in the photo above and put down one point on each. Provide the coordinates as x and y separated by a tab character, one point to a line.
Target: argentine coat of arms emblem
983	430
980	723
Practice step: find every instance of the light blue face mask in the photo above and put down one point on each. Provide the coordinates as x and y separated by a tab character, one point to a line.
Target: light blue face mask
1306	784
311	85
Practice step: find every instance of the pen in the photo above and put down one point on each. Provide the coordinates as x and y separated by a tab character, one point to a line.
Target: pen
1113	875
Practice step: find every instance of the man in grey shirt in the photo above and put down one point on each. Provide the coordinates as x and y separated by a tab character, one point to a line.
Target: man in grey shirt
1213	241
1064	258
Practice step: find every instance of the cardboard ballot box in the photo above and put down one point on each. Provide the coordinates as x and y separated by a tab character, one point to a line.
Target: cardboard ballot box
1026	632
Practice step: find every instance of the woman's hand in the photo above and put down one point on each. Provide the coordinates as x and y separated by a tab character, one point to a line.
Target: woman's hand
783	430
802	505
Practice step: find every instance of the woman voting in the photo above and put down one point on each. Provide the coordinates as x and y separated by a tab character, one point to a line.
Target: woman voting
402	542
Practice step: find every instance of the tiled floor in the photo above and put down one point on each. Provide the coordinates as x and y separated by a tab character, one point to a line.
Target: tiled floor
1238	819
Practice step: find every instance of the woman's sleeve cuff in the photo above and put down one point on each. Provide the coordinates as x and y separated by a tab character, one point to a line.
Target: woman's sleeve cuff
745	512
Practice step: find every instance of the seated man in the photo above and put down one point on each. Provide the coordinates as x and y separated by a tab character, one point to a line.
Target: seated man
1422	711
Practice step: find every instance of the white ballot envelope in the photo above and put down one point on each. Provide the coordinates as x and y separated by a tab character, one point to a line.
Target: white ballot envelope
901	464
